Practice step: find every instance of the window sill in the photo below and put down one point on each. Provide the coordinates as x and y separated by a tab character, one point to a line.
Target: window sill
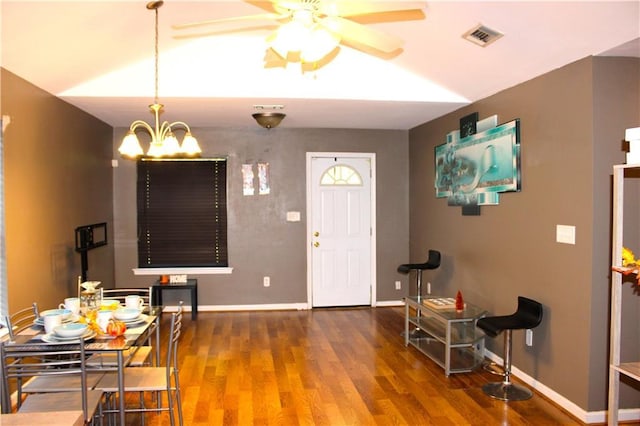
179	271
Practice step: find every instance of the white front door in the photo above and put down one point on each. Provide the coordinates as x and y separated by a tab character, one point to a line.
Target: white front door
341	232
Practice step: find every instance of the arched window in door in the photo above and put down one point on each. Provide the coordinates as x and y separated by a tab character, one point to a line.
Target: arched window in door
341	175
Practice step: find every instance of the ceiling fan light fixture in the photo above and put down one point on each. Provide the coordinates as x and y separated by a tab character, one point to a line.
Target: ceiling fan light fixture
269	120
318	44
289	38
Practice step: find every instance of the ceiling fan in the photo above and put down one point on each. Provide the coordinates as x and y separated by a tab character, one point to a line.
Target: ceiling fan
309	31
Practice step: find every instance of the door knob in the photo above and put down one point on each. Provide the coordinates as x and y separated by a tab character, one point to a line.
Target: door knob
316	244
316	234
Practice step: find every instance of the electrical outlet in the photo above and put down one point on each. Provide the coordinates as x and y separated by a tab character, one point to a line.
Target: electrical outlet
529	337
266	281
428	288
398	285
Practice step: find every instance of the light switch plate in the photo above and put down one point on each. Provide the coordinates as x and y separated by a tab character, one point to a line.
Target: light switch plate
566	234
293	216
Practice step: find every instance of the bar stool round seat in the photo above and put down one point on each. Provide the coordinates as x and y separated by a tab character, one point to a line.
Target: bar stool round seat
527	316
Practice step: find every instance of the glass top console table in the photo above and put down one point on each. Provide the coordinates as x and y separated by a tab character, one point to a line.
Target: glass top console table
447	337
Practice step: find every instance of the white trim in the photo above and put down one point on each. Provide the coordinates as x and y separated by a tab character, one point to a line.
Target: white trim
179	271
268	307
588	417
389	303
248	308
372	159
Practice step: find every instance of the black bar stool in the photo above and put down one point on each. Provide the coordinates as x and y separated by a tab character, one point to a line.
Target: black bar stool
433	262
528	315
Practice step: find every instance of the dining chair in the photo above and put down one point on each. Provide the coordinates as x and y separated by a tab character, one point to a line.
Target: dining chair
140	355
28	360
16	323
120	294
21	320
133	357
155	380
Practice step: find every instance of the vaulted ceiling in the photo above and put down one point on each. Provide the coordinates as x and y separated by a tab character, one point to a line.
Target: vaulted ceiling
99	56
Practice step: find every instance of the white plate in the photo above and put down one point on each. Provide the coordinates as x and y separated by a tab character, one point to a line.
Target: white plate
141	319
53	338
66	313
126	314
40	321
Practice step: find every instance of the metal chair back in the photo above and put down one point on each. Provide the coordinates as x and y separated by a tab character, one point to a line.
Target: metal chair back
21	320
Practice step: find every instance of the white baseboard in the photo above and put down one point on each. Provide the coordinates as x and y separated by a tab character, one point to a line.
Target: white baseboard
387	303
262	307
267	307
588	417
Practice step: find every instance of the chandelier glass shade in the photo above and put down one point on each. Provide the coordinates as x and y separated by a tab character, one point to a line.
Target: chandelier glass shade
163	141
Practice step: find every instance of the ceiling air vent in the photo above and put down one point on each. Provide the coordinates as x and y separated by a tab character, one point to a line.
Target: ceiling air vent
482	36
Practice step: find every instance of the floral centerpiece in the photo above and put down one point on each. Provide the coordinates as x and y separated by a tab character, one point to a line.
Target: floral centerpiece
114	328
630	265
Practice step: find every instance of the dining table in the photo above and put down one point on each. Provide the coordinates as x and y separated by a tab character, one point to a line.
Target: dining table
35	337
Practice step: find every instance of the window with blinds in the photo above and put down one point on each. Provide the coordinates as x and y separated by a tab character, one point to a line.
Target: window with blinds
182	213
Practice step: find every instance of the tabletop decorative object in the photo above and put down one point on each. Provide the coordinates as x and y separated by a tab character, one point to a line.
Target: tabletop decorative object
459	302
89	296
630	265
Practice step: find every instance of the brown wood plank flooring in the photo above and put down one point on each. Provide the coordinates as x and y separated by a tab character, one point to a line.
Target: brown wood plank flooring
329	367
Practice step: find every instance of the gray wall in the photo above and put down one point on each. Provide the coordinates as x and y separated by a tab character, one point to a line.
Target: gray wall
57	176
261	242
572	123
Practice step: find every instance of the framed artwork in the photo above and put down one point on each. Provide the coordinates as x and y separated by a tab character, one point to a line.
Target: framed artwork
473	170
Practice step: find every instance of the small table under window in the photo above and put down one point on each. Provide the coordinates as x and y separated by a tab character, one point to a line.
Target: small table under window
191	285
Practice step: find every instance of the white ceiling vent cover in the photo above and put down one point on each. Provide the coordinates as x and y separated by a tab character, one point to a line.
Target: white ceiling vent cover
482	36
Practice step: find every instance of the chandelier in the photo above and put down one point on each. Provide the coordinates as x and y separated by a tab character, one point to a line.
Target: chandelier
163	141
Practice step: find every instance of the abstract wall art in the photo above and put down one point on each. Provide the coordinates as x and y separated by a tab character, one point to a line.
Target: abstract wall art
472	171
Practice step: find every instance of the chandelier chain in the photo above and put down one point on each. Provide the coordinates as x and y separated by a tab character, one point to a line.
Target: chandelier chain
155	101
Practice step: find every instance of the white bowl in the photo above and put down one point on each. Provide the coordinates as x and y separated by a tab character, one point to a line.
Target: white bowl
66	313
73	329
124	314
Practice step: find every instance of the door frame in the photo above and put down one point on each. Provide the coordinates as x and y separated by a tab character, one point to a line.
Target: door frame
372	159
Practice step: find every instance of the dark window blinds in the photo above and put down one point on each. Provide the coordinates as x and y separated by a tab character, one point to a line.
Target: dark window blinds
182	213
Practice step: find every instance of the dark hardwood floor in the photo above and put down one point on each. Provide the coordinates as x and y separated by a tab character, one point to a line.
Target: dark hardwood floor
329	367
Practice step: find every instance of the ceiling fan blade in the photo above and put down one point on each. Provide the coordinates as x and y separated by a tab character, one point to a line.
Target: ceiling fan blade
354	8
360	34
259	17
222	31
284	6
